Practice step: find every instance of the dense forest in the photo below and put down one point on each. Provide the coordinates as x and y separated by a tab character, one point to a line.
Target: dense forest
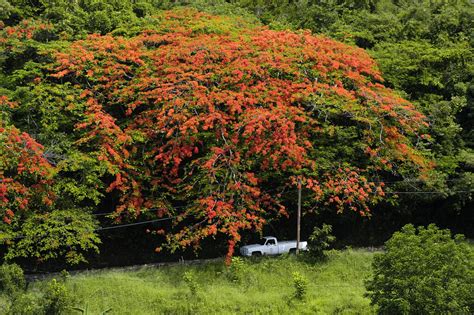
157	127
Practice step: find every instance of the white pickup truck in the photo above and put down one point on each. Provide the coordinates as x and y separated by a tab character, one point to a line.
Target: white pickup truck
269	245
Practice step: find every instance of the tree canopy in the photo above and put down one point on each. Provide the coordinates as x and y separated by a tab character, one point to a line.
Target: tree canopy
203	119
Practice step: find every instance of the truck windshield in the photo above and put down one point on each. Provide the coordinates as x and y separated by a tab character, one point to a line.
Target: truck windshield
262	241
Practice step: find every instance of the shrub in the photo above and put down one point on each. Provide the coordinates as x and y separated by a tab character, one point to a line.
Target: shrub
423	271
13	288
300	284
85	310
320	240
190	280
64	235
56	299
26	304
12	280
236	270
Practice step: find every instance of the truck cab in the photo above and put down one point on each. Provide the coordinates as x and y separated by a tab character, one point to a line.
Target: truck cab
269	245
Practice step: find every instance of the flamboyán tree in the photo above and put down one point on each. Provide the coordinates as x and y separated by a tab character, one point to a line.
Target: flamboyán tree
25	175
43	216
207	119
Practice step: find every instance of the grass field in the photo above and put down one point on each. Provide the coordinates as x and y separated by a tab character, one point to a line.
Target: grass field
263	286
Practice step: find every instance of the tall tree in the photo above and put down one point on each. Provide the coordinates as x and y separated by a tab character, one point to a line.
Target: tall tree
203	117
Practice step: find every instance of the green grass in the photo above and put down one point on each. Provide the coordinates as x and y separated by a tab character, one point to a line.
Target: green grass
265	287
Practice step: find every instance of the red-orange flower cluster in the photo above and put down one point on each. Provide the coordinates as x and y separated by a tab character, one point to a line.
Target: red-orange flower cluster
24	173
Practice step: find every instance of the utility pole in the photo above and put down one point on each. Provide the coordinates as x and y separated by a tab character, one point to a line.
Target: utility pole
298	219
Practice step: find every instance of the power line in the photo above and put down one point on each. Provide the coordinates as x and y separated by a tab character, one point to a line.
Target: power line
406	192
107	227
288	192
429	192
152	209
171	218
387	193
412	181
133	224
103	213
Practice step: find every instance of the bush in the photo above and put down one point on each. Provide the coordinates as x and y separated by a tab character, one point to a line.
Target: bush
320	240
13	289
237	270
300	284
423	271
26	304
56	299
12	280
190	280
62	235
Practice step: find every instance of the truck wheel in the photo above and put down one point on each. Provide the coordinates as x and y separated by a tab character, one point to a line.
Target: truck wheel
256	254
292	251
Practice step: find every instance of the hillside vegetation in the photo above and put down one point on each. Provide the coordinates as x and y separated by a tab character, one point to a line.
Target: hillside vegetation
264	286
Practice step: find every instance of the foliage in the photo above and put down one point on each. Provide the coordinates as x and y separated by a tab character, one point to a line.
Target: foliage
32	181
174	90
13	299
81	17
56	298
215	7
203	112
300	284
12	280
423	271
424	49
26	304
238	270
64	235
24	174
191	282
85	310
320	240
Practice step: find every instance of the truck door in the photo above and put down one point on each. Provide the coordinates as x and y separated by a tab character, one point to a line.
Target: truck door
272	247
